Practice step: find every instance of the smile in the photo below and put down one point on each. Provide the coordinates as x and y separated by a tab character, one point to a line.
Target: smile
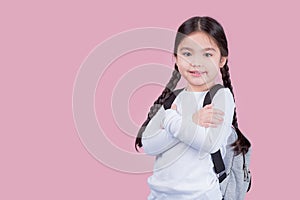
196	73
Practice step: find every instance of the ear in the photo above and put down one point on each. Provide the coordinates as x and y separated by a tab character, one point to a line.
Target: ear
222	61
175	58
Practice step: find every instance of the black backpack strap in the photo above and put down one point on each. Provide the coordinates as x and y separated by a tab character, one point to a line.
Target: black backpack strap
217	159
211	93
171	98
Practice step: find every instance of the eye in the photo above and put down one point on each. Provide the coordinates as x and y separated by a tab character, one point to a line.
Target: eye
186	54
208	55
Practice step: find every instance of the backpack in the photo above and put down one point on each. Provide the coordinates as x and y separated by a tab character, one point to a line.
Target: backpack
232	171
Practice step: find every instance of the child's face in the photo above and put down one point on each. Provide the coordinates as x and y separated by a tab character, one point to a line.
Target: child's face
199	61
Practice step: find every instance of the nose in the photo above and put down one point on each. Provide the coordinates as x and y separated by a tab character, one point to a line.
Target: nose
196	62
195	65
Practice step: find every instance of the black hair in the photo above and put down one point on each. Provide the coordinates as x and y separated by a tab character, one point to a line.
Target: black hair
213	29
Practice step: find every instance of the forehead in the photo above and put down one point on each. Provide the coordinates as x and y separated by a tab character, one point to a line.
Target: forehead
198	40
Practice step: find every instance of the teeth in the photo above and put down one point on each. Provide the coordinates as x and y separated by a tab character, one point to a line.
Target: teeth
197	72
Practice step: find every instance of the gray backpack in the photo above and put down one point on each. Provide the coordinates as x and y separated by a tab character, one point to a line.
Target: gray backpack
233	172
238	177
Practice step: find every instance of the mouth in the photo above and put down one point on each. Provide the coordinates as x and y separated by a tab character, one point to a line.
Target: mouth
197	73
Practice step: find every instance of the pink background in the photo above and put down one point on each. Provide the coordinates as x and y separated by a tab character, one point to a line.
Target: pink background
42	46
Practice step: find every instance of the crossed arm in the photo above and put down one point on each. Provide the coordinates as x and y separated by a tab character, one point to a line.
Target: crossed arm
168	128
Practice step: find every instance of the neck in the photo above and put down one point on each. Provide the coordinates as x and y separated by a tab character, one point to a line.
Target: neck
199	88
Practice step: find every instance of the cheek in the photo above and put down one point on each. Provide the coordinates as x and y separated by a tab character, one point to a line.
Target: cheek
212	63
183	63
180	69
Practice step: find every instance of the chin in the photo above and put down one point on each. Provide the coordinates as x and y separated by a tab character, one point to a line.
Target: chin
196	82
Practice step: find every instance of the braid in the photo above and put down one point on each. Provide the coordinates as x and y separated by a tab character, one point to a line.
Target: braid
227	83
242	144
171	85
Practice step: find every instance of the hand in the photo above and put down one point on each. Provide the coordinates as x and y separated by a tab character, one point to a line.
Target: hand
208	116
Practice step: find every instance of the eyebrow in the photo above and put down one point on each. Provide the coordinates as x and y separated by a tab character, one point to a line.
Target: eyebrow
190	49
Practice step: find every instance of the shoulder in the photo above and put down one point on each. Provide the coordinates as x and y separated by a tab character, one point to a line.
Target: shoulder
179	93
225	94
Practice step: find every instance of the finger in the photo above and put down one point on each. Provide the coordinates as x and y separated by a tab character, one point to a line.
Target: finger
208	111
213	125
217	116
208	106
174	107
213	119
218	112
217	120
207	125
212	110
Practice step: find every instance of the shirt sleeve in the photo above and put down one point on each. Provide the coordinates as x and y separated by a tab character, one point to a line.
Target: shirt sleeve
205	140
217	137
184	129
156	139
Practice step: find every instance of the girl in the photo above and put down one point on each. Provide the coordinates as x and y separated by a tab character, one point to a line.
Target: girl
182	138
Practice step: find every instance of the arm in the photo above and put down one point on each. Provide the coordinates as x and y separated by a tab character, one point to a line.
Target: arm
155	139
198	137
217	137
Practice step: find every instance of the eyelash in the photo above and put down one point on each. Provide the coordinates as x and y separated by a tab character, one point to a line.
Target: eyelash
185	53
208	55
189	54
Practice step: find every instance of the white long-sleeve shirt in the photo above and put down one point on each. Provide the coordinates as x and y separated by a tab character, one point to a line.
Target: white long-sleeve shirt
183	167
